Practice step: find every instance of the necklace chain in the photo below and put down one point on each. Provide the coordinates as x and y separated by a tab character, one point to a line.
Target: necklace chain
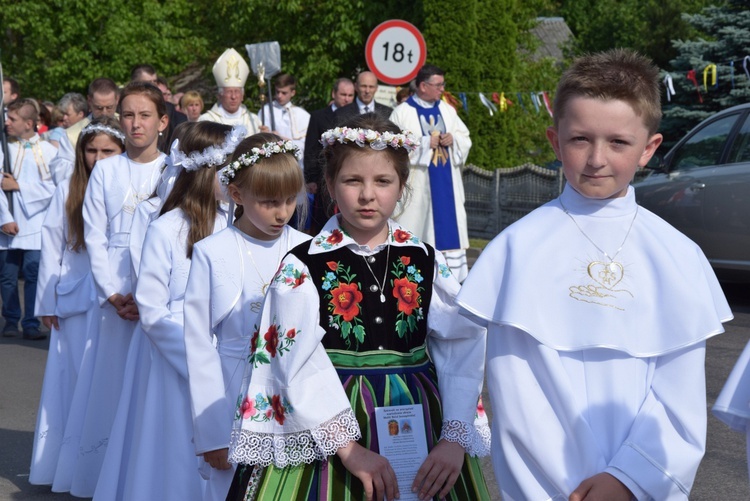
627	234
385	275
263	283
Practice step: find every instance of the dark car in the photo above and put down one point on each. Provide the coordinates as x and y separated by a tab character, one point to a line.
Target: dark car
702	187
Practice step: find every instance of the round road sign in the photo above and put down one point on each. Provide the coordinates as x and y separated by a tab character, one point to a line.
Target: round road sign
395	51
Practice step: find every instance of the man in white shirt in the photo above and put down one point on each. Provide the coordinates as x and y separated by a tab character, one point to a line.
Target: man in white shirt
231	72
32	187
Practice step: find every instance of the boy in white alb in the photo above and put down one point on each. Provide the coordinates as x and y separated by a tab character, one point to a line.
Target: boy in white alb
32	187
597	311
290	120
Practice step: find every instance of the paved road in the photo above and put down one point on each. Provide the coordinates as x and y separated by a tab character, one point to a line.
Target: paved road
722	475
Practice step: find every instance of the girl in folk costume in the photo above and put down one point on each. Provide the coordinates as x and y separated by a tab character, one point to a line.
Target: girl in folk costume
65	301
228	280
153	414
361	318
117	185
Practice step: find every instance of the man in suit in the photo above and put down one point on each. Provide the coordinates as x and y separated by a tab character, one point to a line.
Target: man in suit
320	121
366	87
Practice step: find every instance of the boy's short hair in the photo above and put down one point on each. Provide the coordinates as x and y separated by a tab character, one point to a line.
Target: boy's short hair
620	74
26	108
286	80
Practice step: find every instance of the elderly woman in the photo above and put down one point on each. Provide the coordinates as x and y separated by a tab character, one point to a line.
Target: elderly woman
191	105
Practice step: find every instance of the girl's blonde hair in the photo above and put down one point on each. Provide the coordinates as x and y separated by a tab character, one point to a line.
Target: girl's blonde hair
277	176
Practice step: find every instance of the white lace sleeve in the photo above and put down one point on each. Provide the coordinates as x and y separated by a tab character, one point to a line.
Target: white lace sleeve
474	438
295	448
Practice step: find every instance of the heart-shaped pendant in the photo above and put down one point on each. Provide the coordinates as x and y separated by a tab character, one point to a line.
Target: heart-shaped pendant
606	274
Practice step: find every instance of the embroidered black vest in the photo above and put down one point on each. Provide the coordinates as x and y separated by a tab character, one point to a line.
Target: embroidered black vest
351	311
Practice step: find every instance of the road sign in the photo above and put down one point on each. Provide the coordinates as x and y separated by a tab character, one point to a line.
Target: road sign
395	51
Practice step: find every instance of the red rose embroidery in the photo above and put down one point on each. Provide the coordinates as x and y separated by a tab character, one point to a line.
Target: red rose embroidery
346	298
405	260
332	265
254	342
335	237
401	236
299	280
278	409
480	408
291	333
272	340
407	295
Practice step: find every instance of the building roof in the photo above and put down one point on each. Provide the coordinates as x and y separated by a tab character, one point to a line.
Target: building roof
554	34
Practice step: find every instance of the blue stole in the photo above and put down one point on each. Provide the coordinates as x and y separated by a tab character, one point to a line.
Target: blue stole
441	180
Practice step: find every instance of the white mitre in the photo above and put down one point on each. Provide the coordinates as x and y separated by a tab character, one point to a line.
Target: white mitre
231	70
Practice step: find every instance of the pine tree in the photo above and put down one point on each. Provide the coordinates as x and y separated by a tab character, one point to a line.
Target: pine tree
725	39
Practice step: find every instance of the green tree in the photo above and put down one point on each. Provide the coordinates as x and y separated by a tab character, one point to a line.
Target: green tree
480	52
55	47
647	26
724	38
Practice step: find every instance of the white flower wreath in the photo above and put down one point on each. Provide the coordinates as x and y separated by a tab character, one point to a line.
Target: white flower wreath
247	159
376	140
211	156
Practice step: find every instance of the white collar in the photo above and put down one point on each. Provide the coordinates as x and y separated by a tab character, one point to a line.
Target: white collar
424	104
333	237
370	107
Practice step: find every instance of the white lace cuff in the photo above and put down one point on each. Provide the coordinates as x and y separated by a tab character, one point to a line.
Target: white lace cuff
475	439
293	449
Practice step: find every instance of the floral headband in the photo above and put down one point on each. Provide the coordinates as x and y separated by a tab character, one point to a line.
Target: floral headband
211	156
247	159
97	128
376	140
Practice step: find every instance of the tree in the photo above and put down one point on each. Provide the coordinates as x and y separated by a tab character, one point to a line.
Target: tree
55	47
725	38
647	26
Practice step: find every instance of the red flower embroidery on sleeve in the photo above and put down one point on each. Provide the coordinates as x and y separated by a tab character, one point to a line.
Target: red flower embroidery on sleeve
405	260
272	340
299	280
291	333
346	299
278	409
401	236
332	265
407	295
336	237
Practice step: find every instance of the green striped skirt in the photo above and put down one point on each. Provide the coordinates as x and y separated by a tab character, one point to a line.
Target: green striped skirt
371	379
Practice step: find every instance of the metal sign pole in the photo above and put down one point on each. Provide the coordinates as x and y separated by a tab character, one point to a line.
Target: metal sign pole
265	62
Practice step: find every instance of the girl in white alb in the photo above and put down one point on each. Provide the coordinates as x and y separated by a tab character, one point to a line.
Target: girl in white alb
65	301
153	414
117	185
228	280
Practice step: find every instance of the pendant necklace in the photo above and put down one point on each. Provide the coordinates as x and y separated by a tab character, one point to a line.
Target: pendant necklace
265	284
608	274
385	275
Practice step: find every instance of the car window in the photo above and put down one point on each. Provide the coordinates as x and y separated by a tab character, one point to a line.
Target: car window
705	146
740	151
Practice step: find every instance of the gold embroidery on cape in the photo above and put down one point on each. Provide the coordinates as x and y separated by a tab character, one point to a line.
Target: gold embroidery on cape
602	292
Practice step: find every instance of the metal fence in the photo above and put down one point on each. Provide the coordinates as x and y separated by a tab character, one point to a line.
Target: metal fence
496	199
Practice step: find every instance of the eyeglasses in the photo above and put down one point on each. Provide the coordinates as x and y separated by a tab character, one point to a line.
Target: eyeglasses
440	85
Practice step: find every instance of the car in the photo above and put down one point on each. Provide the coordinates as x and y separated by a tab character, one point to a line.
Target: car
702	188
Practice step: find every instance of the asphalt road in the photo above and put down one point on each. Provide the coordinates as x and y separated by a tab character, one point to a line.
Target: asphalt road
723	475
